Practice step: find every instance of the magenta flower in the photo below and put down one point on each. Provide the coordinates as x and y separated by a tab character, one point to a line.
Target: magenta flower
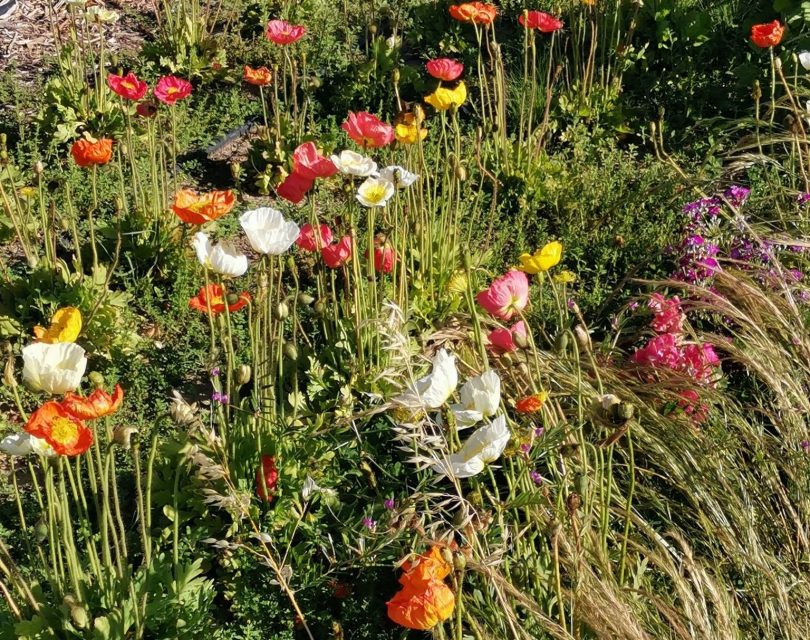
667	314
283	33
503	340
506	295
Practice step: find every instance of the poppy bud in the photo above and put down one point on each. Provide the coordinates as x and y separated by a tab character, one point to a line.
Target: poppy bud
315	82
521	339
461	172
395	76
236	170
459	561
122	436
243	374
582	338
561	343
581	483
39	168
447	555
623	411
291	351
282	311
40	531
305	299
372	29
119	205
96	379
319	308
8	374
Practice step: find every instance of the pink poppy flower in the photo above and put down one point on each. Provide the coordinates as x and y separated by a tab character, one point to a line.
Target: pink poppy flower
544	22
335	255
368	130
314	239
170	89
309	163
283	33
384	258
445	69
506	295
503	340
294	187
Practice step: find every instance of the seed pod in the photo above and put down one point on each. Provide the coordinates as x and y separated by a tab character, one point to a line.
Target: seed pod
319	308
573	502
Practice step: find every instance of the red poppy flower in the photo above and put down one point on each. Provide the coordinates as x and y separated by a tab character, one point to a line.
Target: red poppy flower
97	405
309	163
89	151
368	130
541	21
128	86
335	255
295	187
260	77
474	12
310	240
146	109
170	89
445	69
384	258
283	33
194	208
768	34
214	295
266	478
67	434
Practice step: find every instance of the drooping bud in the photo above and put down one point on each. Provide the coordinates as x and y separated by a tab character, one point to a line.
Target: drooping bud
291	351
582	337
243	374
305	299
281	311
96	379
122	436
8	373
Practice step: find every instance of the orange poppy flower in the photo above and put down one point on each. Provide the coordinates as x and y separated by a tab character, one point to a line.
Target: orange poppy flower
97	405
194	208
422	608
425	568
474	12
67	434
90	151
215	295
768	34
260	77
531	404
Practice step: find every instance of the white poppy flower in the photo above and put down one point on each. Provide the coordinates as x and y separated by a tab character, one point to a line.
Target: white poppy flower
54	368
223	258
310	487
398	176
375	192
354	164
804	59
480	398
267	230
432	390
483	446
21	444
459	467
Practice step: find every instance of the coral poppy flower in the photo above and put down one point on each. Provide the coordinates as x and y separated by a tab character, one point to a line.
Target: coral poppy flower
425	568
67	434
542	259
540	20
214	295
384	258
506	295
294	187
283	33
170	89
311	240
260	77
194	208
506	340
532	403
443	98
768	34
128	86
474	12
66	325
408	129
368	130
309	163
90	151
266	478
335	255
97	405
422	608
445	69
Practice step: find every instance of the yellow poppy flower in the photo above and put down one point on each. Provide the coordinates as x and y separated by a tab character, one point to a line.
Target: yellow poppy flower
542	259
66	325
565	277
443	98
408	131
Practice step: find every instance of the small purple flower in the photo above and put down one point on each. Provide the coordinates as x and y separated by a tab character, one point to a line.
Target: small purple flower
526	447
389	503
805	445
571	303
215	372
369	524
803	198
538	432
222	398
536	477
737	195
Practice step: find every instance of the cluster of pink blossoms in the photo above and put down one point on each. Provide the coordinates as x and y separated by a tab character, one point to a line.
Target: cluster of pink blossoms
667	350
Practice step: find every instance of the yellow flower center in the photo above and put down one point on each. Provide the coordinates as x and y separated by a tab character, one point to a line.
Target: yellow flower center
64	431
375	193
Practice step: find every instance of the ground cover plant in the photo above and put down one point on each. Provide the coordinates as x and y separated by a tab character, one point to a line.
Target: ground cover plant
410	319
